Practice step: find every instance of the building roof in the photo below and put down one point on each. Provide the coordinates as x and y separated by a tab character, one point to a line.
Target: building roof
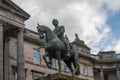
106	52
33	37
79	42
12	7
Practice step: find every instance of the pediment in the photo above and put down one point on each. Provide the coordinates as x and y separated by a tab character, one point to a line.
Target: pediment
12	7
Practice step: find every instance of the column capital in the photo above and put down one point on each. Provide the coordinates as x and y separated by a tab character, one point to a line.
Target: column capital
117	67
1	23
20	30
7	38
101	68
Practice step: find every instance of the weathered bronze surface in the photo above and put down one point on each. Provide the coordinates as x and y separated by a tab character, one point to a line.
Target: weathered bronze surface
57	46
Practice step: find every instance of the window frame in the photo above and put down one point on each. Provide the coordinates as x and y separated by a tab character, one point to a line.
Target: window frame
38	58
85	69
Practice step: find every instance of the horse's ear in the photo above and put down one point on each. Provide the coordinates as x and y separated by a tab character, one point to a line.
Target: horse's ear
38	24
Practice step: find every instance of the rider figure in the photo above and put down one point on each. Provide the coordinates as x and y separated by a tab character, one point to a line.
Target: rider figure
59	31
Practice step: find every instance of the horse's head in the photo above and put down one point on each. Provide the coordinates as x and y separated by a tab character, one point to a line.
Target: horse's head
41	31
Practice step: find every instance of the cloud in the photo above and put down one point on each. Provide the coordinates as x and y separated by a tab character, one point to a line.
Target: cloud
113	5
87	18
114	45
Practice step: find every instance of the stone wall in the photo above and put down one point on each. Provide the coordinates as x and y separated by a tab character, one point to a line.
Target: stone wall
41	69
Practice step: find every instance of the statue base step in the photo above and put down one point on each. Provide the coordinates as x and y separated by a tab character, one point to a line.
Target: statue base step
59	76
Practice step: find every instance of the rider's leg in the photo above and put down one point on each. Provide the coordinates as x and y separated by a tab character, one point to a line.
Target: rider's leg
67	45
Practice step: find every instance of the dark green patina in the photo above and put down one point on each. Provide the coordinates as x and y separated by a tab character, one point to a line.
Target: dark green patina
57	46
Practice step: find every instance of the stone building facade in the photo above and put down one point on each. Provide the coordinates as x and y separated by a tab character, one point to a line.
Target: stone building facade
21	52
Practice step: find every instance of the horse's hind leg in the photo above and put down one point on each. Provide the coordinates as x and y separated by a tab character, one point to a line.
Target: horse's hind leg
76	66
69	65
59	60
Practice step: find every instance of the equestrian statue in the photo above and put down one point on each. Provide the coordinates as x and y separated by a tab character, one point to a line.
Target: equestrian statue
57	46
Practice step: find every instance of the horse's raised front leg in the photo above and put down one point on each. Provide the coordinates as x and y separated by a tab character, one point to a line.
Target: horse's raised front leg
48	65
59	60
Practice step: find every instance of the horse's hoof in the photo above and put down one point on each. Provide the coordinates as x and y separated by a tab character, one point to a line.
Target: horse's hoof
72	74
49	67
49	63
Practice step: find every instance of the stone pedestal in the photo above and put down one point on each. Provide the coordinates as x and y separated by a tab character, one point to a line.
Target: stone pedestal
59	76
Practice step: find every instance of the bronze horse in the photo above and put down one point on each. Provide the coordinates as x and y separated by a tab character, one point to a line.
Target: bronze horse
55	48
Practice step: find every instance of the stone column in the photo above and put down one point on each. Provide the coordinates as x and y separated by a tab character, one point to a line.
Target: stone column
118	72
6	58
1	50
20	56
11	73
101	74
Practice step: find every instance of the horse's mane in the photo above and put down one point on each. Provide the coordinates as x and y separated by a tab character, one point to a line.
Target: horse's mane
47	28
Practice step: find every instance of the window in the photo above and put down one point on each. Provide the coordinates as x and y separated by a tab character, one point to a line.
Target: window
106	77
36	75
66	69
36	78
16	50
16	76
15	73
118	56
85	70
36	56
53	63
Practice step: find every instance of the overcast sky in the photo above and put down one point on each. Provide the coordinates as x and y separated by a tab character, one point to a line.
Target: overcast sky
97	22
